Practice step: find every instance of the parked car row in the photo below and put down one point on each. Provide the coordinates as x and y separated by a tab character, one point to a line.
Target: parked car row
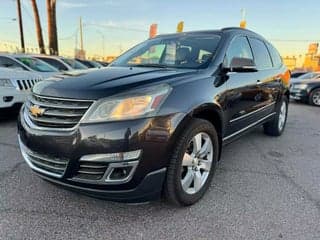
19	72
45	65
305	87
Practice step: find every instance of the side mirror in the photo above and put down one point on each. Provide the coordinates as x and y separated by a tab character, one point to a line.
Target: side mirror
242	65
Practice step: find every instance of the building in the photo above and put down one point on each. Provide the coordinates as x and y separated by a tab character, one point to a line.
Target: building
312	58
290	62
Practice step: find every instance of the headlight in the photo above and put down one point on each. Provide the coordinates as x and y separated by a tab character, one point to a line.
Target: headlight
131	105
6	83
300	86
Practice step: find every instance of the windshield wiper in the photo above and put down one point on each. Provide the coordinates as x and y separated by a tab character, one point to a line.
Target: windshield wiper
149	65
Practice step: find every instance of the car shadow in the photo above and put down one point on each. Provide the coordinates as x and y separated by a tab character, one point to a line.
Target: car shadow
9	114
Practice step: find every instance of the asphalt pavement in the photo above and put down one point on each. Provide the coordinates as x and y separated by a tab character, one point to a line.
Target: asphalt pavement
264	188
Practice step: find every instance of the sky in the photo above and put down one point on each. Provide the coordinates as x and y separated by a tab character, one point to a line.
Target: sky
113	26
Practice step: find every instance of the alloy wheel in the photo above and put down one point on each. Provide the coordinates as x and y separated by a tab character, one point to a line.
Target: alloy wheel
282	115
316	98
196	163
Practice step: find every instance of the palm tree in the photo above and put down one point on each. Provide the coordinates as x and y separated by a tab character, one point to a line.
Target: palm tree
52	27
38	26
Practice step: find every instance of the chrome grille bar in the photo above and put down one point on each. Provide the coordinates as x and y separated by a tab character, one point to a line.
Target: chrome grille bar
57	113
42	163
27	84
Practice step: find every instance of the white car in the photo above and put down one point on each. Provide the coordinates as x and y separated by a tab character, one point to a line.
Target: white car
28	63
15	86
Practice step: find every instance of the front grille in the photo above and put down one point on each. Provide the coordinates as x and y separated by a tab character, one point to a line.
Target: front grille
56	113
91	170
50	165
26	84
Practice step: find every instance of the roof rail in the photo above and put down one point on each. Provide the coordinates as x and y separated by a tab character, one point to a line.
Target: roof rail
235	28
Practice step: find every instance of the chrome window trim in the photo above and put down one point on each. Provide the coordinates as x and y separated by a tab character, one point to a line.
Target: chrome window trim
247	127
253	112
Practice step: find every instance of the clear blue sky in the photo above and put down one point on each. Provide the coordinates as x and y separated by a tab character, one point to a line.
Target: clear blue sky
274	19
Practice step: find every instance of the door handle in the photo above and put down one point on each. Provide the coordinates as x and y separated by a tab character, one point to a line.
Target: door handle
259	82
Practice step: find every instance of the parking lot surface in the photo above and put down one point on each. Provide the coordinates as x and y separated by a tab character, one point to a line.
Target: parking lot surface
264	188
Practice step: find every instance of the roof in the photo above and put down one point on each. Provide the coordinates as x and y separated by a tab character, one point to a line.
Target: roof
217	31
15	55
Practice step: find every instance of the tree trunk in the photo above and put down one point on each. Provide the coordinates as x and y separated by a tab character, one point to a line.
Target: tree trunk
54	27
49	18
38	26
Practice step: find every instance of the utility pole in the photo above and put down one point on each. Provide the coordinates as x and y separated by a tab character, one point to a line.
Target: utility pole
81	53
81	37
20	26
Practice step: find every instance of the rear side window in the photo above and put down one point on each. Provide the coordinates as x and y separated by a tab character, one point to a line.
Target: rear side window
261	54
239	47
275	56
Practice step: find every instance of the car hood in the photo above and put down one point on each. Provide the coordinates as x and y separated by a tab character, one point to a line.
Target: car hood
306	81
105	82
300	80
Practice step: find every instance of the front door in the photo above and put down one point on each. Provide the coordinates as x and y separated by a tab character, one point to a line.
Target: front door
244	95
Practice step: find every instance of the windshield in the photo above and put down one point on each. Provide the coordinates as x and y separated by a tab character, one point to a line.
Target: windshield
36	64
309	75
74	64
182	51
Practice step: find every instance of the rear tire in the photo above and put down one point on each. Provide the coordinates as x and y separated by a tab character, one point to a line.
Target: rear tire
314	98
276	126
192	164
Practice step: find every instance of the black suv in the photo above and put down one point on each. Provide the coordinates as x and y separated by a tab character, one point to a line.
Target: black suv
155	120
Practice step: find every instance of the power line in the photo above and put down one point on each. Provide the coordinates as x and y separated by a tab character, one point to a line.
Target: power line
116	27
295	40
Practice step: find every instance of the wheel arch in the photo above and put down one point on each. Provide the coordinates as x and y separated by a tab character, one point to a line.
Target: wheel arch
210	112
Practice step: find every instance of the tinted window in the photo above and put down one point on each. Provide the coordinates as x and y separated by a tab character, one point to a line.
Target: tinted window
239	47
74	64
36	64
275	56
179	51
9	63
261	55
54	63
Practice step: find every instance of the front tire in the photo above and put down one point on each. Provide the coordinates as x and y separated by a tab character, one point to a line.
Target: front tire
192	164
276	126
314	98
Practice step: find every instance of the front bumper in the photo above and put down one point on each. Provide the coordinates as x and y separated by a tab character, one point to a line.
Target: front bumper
299	94
11	96
153	136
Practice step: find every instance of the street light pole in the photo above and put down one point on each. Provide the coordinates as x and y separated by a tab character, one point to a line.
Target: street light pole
20	26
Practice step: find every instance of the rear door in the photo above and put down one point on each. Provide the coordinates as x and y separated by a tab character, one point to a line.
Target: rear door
243	95
269	77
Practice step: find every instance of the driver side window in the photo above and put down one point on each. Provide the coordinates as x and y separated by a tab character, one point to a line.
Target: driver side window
9	63
239	47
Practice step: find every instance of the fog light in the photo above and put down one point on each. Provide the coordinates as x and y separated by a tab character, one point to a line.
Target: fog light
112	157
7	98
120	173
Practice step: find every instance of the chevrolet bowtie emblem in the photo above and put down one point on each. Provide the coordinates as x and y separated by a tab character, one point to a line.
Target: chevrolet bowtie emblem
36	111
